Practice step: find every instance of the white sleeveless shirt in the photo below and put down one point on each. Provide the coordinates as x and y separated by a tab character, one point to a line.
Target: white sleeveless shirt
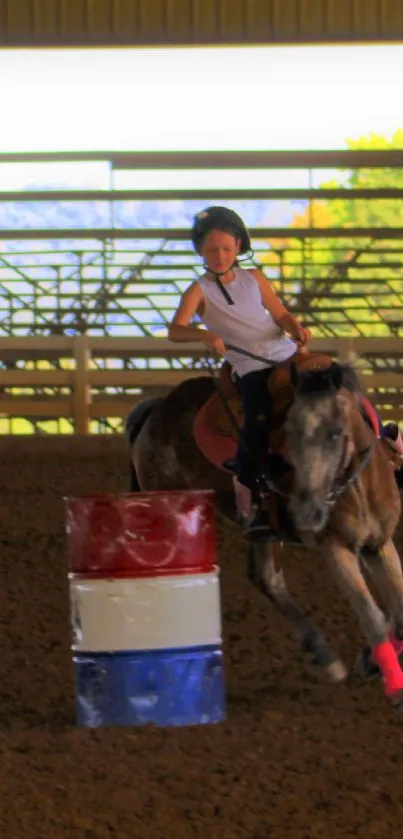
246	323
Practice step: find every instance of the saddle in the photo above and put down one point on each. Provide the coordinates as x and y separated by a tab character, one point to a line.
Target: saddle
216	422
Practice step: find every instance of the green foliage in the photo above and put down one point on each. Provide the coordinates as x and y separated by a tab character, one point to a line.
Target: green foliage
357	277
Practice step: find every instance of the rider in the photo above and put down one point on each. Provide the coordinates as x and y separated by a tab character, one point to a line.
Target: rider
238	307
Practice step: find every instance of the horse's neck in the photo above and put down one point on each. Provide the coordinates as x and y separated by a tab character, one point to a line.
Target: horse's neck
359	430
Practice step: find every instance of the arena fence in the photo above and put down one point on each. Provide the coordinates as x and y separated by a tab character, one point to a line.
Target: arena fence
85	384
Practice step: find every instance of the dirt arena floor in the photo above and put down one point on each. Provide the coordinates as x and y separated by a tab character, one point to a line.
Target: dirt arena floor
296	759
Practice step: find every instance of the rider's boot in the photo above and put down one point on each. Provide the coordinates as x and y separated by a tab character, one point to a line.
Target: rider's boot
250	515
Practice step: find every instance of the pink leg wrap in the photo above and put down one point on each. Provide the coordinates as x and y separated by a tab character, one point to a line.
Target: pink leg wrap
386	658
397	643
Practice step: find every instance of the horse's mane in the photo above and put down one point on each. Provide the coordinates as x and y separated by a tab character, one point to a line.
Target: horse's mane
326	380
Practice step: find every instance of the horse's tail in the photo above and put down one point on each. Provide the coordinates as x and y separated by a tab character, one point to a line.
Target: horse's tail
134	485
133	425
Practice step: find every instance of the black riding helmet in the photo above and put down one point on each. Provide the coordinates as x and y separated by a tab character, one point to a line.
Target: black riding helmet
219	218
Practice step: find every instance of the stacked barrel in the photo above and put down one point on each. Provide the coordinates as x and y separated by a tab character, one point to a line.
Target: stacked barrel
145	609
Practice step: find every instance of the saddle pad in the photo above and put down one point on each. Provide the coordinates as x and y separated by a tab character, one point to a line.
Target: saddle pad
215	446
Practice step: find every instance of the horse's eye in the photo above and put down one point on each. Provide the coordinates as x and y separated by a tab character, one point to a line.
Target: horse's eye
334	434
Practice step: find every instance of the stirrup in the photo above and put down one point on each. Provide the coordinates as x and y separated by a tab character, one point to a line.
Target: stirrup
230	464
259	527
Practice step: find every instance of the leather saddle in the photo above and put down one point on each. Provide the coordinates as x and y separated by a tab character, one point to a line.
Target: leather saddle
217	420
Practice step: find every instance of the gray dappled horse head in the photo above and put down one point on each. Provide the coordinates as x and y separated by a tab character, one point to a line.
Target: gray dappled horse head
319	442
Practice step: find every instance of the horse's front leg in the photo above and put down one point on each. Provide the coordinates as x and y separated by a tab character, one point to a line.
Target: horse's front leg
385	568
346	566
266	573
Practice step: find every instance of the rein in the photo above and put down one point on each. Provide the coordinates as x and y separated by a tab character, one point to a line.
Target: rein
252	355
350	476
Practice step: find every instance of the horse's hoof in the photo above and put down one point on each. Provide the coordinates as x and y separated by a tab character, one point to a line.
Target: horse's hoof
365	666
336	672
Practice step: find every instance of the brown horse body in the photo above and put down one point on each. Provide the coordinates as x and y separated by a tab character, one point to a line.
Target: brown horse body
339	492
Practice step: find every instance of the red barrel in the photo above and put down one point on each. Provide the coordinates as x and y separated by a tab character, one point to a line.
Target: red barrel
142	535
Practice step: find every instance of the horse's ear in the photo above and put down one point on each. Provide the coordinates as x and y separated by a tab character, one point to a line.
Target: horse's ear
294	375
349	378
336	375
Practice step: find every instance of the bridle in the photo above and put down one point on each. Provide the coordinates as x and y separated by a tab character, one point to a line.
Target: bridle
349	474
346	476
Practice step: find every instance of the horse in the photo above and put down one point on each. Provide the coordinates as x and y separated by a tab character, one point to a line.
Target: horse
335	489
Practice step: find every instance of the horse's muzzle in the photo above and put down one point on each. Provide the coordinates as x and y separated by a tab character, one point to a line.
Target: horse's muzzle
310	513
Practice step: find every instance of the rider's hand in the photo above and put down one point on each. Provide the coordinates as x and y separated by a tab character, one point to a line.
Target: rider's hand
214	343
302	335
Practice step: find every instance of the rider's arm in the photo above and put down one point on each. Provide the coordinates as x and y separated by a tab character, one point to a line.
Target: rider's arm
191	303
278	311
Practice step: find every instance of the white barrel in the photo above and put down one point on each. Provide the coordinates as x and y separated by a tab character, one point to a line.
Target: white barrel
145	613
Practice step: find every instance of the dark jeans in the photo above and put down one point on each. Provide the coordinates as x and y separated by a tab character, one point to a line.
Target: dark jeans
257	408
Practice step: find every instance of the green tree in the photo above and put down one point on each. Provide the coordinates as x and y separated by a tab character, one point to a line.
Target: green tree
350	286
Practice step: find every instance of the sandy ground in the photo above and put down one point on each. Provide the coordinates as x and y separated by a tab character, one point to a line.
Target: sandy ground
296	759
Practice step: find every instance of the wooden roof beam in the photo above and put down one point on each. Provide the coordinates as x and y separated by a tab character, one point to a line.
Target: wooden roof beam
182	234
270	159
